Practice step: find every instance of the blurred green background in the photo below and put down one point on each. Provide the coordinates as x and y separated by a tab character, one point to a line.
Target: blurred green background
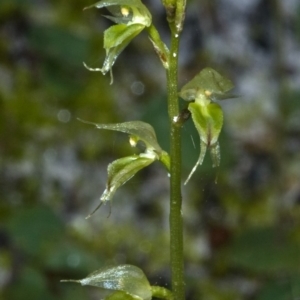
242	221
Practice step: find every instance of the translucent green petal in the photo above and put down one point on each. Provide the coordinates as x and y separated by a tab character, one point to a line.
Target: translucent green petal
118	20
122	14
208	82
138	12
127	278
127	3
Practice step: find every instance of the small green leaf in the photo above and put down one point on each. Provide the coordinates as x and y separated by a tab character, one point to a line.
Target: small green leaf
208	120
208	82
126	278
140	130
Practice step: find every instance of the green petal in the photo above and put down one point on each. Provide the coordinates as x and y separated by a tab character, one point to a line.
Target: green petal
208	82
208	120
121	170
127	278
117	34
118	44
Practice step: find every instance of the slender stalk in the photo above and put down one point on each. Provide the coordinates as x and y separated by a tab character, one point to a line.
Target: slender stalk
176	224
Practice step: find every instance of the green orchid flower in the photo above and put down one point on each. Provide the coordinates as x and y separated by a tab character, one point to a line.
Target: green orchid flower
123	169
207	115
131	17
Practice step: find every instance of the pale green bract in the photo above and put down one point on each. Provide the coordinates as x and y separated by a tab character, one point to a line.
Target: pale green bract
129	281
122	169
208	83
131	16
207	115
141	131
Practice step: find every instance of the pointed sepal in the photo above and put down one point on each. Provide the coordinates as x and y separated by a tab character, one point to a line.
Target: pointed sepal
125	278
138	131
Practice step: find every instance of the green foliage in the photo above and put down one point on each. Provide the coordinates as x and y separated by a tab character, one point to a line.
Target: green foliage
31	239
285	288
31	284
265	251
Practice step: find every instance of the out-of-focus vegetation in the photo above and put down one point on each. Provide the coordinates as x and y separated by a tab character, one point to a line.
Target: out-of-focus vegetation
242	233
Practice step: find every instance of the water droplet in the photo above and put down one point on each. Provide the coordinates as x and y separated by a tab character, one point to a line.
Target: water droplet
50	155
175	119
64	116
138	88
73	260
174	54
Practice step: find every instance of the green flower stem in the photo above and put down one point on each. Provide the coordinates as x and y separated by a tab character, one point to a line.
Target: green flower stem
176	224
